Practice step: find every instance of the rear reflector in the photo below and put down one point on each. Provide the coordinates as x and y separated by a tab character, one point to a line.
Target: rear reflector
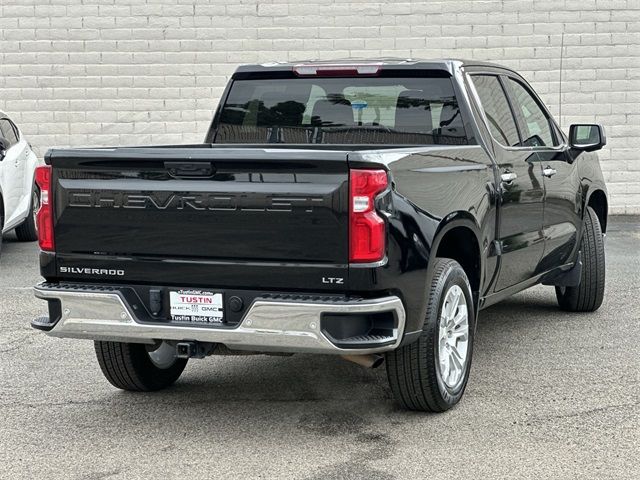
44	215
367	231
321	70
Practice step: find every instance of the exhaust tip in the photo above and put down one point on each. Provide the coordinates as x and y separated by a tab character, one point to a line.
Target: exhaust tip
367	361
379	360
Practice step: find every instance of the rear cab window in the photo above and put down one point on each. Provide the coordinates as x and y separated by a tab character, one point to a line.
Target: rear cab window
351	110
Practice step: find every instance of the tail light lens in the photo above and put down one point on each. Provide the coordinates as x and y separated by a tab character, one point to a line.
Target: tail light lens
367	232
44	215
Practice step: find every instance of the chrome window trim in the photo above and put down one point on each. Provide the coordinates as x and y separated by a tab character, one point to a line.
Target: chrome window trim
559	148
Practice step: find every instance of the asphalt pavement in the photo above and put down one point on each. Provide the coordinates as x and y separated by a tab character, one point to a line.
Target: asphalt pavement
551	395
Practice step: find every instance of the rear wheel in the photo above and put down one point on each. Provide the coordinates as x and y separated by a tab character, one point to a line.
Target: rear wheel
28	230
431	373
137	367
588	295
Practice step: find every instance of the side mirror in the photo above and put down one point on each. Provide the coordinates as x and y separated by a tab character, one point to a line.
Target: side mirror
4	146
587	137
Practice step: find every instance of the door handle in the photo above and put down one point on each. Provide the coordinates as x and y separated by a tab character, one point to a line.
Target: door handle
549	172
508	177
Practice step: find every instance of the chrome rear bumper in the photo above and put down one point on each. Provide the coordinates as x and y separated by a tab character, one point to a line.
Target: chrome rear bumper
269	325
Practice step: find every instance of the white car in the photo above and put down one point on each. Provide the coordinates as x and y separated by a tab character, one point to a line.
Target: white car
19	199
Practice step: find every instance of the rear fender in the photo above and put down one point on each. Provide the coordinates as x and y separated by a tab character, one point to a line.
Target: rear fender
23	209
455	220
426	240
32	163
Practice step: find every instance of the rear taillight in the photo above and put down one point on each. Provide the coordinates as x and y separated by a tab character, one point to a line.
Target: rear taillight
367	231
44	215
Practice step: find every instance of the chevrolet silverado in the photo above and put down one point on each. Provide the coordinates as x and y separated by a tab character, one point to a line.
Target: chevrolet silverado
368	209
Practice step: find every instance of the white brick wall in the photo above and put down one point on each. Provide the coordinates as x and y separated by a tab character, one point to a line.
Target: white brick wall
116	72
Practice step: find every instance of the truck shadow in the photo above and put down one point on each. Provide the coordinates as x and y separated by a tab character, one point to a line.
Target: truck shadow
293	401
244	383
303	378
528	306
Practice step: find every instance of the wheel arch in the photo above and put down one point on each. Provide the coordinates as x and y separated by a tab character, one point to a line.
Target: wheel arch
597	200
458	238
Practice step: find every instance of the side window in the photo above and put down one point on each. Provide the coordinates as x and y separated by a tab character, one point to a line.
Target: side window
496	108
537	127
8	131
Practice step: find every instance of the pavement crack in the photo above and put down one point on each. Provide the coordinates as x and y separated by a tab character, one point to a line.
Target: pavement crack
51	404
101	475
589	411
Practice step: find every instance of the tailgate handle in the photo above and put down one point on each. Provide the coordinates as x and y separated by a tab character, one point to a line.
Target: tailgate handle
190	170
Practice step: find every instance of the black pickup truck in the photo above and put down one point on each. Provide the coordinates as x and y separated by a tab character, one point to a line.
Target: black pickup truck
362	209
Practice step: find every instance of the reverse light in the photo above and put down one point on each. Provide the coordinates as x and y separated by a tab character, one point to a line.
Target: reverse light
44	215
367	231
327	70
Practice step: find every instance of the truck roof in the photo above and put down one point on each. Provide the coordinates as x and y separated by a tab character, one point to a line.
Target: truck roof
446	64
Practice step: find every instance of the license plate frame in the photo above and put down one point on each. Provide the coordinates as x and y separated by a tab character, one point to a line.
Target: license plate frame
196	306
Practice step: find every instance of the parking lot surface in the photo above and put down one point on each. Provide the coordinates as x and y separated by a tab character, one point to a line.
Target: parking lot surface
551	395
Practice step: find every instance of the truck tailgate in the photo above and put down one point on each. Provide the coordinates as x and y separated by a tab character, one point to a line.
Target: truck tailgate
201	206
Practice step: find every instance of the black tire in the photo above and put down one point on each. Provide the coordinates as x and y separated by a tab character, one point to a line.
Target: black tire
27	230
413	370
588	295
128	366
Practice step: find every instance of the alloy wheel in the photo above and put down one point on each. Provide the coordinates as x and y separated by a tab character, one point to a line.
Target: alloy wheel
453	338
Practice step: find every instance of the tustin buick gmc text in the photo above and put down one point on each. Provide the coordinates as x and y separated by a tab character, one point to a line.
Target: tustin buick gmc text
363	209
